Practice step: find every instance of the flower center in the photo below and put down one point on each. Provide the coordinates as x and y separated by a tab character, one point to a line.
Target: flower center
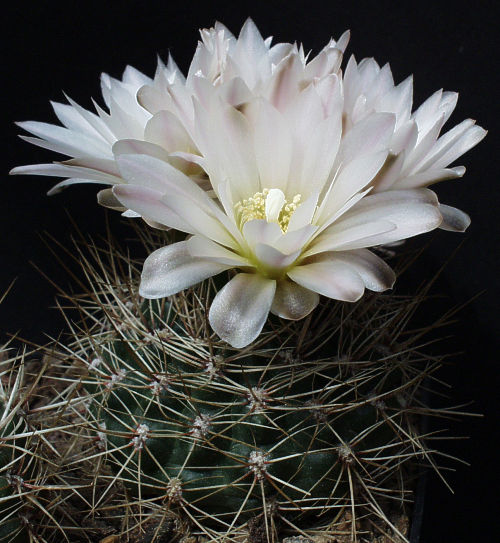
271	205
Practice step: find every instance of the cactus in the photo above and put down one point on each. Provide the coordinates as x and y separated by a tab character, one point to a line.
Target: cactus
313	429
15	460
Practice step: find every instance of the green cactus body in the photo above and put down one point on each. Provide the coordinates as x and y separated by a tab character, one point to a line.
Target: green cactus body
190	422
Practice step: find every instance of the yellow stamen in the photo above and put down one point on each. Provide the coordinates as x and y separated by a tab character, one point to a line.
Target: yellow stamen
255	208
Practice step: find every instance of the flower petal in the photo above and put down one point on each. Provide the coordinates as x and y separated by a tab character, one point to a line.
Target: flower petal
171	269
412	211
454	219
376	274
207	249
331	278
293	302
147	203
272	258
239	310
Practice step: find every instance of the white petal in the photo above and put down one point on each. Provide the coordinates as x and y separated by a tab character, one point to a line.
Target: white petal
376	274
261	231
172	268
147	203
65	141
215	226
292	301
304	213
156	174
66	169
273	259
412	211
273	144
331	278
428	177
354	236
453	145
139	147
353	178
239	310
207	249
368	136
224	139
454	219
165	129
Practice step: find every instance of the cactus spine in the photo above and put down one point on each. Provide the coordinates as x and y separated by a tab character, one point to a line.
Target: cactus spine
311	429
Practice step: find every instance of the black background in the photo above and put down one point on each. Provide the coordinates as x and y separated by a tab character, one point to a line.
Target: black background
52	47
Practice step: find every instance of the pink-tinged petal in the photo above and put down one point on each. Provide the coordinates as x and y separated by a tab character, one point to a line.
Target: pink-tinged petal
71	118
65	141
356	236
370	135
325	220
319	154
390	173
412	211
66	169
224	138
423	147
273	144
239	310
330	91
399	101
405	137
296	240
139	147
273	259
165	129
428	177
330	278
215	226
171	269
374	272
147	203
261	231
282	87
454	144
150	172
454	219
207	249
94	120
293	302
353	178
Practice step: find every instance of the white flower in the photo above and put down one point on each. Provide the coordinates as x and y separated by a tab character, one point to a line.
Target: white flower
90	138
418	156
275	164
292	212
155	117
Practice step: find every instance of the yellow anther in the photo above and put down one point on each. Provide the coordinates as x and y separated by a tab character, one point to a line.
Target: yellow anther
254	207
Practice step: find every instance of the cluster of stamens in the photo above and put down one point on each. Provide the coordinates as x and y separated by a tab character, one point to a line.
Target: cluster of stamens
254	207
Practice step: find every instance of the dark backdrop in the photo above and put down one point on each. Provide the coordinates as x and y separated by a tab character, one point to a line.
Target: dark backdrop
50	47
